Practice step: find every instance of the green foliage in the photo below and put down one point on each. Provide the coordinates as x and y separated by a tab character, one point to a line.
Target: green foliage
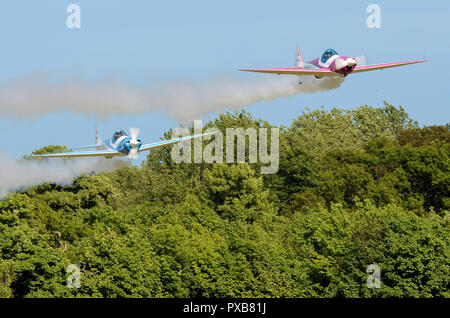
412	252
419	137
354	188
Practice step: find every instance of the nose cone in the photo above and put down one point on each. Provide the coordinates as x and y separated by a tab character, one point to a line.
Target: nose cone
340	63
351	62
345	63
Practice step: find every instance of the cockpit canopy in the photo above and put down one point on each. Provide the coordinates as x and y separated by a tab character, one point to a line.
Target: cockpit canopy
327	54
117	135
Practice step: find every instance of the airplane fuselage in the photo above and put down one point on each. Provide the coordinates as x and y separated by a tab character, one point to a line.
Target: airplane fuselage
342	65
123	144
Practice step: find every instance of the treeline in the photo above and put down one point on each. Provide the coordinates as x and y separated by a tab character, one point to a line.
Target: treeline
354	188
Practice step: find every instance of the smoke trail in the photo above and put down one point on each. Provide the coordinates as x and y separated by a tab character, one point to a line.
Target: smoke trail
182	100
19	175
186	101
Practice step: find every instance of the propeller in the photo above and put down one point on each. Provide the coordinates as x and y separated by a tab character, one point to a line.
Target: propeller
133	154
361	60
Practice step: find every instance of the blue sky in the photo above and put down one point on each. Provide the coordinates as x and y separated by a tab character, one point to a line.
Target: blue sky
133	41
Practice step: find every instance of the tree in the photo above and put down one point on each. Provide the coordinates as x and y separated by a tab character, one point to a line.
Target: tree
355	188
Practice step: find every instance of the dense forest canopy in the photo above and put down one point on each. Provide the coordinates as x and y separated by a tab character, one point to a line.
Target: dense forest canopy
354	188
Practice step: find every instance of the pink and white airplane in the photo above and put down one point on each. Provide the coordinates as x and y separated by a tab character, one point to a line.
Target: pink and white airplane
329	64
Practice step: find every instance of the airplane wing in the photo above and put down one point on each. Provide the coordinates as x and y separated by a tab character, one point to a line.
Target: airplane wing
82	154
320	72
374	67
294	71
171	141
109	153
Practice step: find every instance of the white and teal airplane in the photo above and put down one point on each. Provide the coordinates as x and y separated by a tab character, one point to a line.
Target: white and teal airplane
120	144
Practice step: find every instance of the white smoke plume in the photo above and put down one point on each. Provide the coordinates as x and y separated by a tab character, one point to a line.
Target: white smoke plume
19	175
187	101
181	100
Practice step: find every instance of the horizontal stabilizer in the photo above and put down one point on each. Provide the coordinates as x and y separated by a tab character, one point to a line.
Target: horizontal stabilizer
85	147
294	71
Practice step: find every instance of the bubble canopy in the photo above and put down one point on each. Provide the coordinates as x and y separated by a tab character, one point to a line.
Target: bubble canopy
327	54
117	135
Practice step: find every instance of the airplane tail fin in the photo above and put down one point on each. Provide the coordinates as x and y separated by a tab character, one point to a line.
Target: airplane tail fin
299	59
99	144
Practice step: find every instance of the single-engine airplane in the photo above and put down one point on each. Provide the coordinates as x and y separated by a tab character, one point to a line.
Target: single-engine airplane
329	64
120	144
